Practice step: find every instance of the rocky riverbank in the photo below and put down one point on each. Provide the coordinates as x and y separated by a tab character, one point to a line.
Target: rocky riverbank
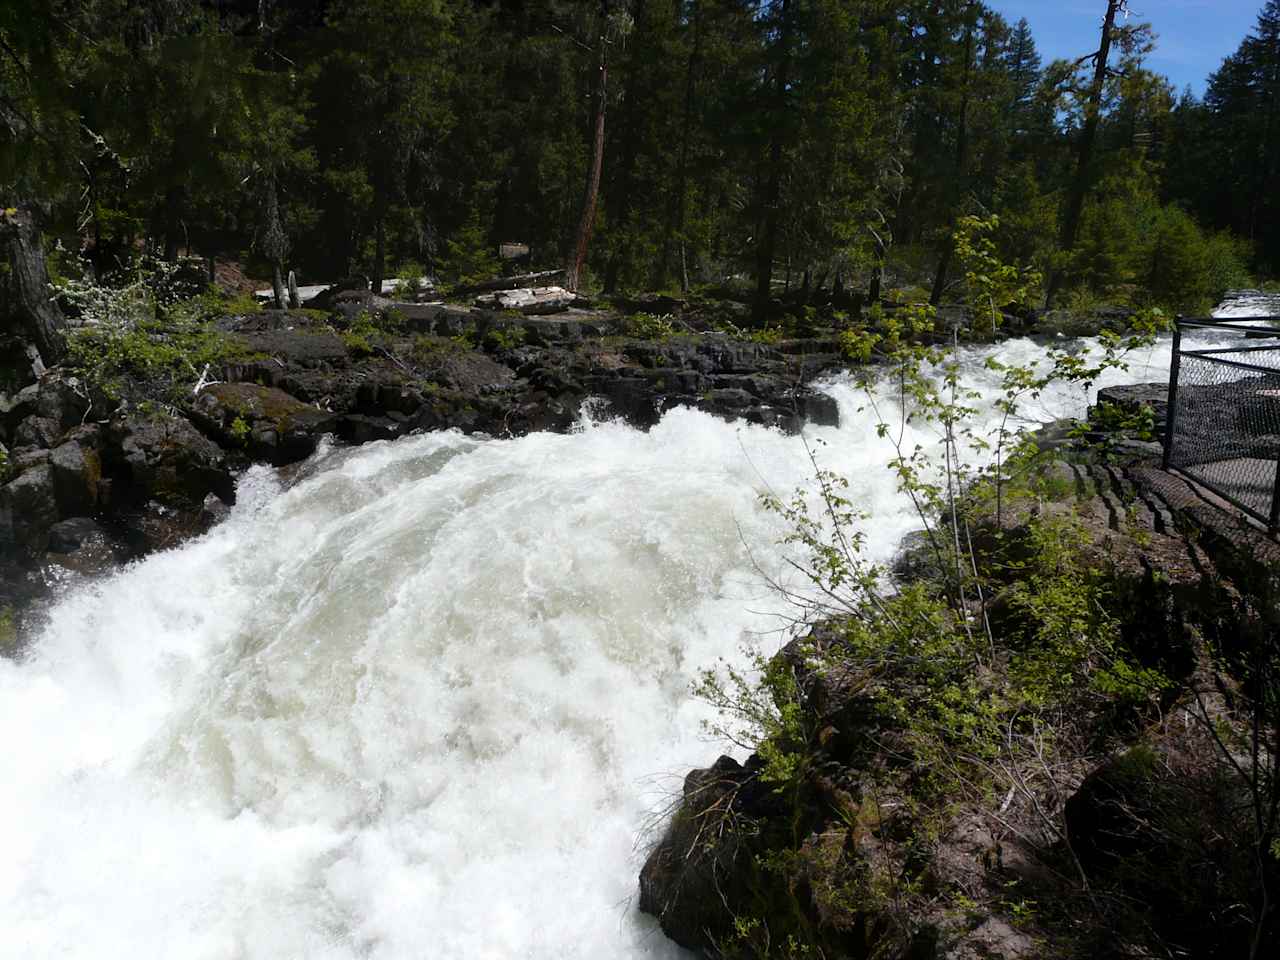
94	477
996	814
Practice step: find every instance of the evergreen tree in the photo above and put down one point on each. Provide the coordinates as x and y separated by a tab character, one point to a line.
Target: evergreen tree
1021	62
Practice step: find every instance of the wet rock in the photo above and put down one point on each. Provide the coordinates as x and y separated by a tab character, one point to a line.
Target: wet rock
66	536
702	865
360	428
77	470
213	510
154	526
820	409
164	457
266	422
917	559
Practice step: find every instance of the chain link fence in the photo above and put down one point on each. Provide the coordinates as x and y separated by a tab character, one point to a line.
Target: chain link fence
1223	426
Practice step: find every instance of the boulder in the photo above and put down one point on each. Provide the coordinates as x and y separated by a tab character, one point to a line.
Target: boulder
1169	821
22	459
1133	397
80	546
473	372
37	431
267	423
703	867
213	510
31	503
62	402
66	536
77	471
361	428
16	408
164	457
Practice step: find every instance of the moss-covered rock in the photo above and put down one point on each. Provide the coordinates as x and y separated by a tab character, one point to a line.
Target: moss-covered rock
266	422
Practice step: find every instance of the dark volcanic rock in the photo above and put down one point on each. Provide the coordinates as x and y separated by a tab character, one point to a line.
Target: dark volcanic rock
164	457
69	535
60	402
474	372
267	422
31	503
1133	397
698	869
37	431
360	428
303	346
77	472
1170	822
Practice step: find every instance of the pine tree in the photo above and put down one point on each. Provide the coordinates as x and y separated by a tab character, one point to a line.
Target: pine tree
1021	61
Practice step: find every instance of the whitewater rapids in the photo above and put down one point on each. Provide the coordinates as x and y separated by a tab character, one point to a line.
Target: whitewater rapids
427	700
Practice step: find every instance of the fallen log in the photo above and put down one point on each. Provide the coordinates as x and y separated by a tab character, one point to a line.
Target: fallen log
528	300
542	279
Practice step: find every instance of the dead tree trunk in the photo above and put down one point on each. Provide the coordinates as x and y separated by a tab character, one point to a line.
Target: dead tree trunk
586	224
41	319
277	286
1084	156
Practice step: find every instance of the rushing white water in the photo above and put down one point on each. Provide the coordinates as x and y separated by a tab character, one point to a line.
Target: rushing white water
422	703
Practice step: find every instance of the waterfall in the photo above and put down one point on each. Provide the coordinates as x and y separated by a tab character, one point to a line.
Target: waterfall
427	699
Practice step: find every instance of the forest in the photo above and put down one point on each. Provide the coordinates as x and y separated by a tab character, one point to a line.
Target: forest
795	146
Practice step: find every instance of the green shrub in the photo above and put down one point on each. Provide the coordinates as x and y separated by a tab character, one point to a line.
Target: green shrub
8	632
469	256
508	338
165	357
650	326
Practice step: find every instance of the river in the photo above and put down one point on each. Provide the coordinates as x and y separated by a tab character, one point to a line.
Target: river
426	699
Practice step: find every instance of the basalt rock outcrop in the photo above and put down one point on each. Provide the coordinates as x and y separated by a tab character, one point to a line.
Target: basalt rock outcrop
1144	840
152	468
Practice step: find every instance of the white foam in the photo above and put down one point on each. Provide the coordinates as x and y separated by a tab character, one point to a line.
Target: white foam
420	704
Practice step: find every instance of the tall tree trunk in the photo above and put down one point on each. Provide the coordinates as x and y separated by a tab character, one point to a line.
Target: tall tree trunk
678	201
768	241
631	133
961	162
41	319
1084	156
587	222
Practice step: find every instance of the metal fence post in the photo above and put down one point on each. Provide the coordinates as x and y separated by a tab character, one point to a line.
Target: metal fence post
1275	499
1170	414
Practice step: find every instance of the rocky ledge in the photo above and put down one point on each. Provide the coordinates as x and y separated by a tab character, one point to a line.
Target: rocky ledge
143	470
1108	832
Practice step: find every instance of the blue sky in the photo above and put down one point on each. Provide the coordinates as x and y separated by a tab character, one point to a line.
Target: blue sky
1192	35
